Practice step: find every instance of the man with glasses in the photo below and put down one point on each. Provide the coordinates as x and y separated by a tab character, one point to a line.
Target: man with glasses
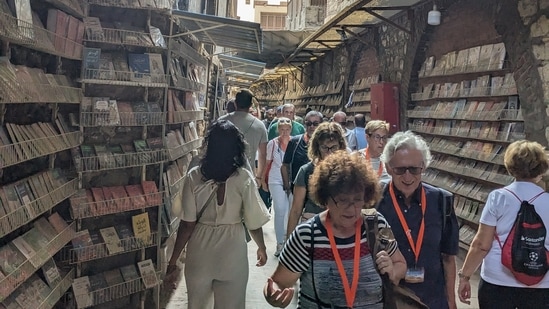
341	118
423	221
377	133
296	152
288	111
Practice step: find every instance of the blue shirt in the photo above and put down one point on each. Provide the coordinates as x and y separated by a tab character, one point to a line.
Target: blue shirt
360	135
432	290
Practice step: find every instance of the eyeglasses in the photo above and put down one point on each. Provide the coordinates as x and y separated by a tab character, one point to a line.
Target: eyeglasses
329	149
379	138
285	121
348	204
401	170
314	124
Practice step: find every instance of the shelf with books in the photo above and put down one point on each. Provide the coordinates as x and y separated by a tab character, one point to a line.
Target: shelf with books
502	136
457	185
110	161
468	210
21	84
105	249
490	155
163	5
185	84
35	36
122	37
476	173
485	92
483	58
181	150
98	288
360	108
124	119
187	116
123	78
15	153
81	207
58	291
19	274
23	214
182	49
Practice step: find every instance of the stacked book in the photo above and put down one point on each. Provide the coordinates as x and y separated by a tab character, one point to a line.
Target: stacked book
115	283
107	200
95	244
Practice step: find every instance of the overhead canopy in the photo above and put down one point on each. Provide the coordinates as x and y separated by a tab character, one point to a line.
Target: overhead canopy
221	31
351	22
277	44
238	64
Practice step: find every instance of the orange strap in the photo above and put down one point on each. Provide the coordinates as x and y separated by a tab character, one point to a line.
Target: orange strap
350	291
416	248
367	155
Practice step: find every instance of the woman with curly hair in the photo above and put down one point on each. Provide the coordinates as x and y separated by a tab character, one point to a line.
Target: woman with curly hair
326	139
218	196
335	243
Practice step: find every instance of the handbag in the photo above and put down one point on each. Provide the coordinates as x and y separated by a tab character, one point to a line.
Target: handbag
394	296
268	168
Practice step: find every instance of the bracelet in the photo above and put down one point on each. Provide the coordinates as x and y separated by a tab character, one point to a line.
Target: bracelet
462	276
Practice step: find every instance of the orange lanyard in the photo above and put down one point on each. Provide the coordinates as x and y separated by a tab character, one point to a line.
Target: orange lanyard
380	168
416	248
350	291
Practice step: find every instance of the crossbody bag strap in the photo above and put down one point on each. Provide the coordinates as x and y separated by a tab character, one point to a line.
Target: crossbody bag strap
371	222
293	156
311	257
210	198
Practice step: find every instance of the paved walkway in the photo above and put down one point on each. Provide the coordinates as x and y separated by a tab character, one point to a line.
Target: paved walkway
258	276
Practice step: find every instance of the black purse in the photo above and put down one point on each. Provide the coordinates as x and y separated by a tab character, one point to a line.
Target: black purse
394	296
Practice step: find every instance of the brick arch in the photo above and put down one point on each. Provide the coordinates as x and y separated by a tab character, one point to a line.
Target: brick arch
469	23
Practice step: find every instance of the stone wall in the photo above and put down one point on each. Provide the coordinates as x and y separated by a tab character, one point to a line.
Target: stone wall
535	16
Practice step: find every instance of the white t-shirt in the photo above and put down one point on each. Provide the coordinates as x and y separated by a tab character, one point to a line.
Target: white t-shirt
275	177
501	211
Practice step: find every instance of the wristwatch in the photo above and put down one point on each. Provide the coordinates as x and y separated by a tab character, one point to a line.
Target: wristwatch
462	276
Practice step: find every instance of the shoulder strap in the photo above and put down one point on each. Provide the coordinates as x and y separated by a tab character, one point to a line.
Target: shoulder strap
311	257
293	156
370	220
199	215
530	200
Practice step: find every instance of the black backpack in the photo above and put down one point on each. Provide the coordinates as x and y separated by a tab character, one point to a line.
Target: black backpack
524	252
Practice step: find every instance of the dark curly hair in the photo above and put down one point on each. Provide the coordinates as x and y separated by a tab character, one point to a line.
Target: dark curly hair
223	151
344	173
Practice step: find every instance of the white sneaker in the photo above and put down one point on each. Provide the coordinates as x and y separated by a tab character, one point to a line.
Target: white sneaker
278	249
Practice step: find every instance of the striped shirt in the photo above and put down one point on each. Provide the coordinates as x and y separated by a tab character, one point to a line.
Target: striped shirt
296	257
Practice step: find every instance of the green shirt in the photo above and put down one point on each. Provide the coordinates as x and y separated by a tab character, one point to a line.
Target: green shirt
297	128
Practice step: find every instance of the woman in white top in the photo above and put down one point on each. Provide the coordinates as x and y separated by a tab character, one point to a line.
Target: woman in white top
218	196
281	200
377	134
498	288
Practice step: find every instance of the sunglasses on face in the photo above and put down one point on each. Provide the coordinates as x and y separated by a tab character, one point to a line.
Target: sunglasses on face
401	170
314	124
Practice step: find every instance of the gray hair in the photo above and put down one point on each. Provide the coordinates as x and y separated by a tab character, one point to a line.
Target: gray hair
288	106
314	114
406	140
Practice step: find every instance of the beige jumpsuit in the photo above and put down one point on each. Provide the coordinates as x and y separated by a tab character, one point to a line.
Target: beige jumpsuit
216	267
